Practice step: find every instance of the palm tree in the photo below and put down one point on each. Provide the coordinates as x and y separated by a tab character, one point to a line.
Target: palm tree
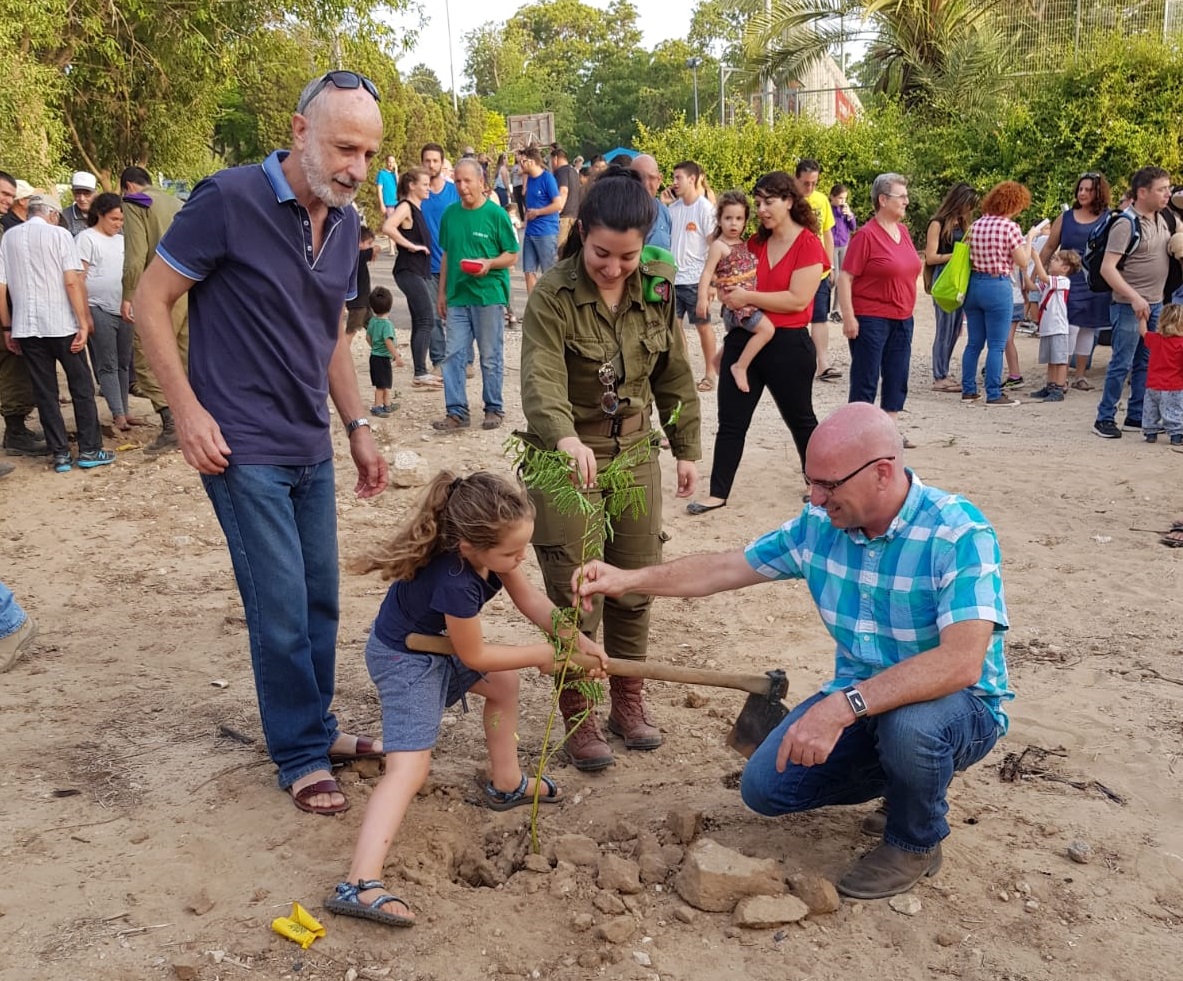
946	54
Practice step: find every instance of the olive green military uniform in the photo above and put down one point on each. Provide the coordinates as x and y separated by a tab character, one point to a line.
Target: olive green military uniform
143	227
568	333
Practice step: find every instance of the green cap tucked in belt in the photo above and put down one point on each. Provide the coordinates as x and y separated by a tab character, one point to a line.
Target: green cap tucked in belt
658	269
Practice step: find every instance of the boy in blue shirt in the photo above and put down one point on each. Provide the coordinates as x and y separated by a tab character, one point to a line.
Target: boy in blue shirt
380	334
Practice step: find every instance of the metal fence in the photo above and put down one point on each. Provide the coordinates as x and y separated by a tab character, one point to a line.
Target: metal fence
1048	31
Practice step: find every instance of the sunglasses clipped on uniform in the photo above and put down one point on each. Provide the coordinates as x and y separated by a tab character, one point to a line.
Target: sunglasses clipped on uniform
609	401
340	79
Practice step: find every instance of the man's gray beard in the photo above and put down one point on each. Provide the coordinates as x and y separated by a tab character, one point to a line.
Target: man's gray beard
321	184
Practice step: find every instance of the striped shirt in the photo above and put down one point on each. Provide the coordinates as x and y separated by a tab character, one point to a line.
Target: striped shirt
34	258
887	599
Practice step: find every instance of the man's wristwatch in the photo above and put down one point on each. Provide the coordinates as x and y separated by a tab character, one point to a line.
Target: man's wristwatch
854	699
355	425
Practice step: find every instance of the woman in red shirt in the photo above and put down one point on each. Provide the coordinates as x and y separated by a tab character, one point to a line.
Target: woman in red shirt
877	294
790	261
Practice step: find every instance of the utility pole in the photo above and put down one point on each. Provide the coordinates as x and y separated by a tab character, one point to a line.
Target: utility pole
451	58
692	64
769	88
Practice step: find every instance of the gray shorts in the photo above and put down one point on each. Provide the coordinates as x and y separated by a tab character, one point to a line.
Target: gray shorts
414	689
1053	349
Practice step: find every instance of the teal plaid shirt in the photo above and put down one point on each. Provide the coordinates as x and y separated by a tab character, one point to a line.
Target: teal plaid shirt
887	599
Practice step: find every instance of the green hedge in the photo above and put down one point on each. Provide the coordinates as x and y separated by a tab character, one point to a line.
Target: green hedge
1113	111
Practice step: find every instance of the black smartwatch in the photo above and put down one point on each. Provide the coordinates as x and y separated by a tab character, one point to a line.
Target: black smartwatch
855	700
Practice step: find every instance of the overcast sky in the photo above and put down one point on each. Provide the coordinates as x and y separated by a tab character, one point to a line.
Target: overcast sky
658	22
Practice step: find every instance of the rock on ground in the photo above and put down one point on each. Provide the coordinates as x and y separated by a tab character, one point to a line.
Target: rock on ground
818	893
616	874
715	878
763	912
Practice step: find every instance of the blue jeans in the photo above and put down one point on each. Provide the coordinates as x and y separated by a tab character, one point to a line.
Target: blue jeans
485	325
281	528
884	347
1129	358
11	614
907	755
987	309
438	348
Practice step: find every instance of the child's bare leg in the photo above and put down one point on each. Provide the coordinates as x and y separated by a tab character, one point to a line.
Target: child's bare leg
761	335
1011	353
706	337
405	773
1057	374
500	691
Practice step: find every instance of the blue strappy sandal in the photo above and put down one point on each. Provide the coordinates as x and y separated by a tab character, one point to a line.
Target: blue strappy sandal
345	902
504	800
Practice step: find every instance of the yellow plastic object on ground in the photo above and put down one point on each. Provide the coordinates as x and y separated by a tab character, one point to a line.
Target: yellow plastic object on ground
301	927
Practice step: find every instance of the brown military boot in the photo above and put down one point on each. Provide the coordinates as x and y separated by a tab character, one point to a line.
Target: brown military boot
586	747
629	717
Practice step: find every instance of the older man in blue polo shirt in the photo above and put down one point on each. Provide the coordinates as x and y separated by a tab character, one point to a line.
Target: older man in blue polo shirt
267	256
906	579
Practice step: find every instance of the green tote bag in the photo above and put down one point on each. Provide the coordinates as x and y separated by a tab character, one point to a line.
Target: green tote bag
949	289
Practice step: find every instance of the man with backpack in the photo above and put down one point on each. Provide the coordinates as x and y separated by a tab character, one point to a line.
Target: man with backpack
1135	266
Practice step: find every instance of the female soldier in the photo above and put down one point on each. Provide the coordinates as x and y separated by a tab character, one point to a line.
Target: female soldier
600	350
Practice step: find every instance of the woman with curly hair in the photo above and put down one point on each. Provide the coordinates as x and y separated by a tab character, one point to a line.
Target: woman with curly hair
996	246
1087	311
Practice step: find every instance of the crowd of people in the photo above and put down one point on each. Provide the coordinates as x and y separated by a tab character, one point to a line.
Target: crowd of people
275	261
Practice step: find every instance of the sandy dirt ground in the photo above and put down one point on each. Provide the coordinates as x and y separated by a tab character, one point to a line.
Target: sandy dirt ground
138	840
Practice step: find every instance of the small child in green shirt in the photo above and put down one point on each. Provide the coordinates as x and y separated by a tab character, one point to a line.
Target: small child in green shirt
380	334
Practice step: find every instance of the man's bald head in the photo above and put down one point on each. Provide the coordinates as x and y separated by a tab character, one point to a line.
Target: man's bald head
646	166
858	428
334	139
855	468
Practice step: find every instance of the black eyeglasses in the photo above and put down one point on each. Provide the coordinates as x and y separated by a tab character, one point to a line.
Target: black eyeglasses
829	486
340	80
609	401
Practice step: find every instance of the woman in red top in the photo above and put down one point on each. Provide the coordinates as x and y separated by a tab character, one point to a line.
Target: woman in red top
877	294
790	261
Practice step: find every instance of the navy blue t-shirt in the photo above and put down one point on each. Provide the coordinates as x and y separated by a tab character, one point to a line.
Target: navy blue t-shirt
446	585
541	191
264	314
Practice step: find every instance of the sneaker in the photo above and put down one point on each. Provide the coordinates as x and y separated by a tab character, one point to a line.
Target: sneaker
1131	425
493	420
1151	437
1106	429
377	410
62	463
1003	400
6	469
971	397
449	424
1042	393
1055	394
95	458
836	317
1013	381
1177	439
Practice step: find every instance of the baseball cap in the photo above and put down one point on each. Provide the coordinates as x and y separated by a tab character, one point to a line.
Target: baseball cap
45	201
23	190
84	180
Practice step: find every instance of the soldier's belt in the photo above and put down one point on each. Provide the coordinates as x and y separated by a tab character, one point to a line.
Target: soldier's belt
614	426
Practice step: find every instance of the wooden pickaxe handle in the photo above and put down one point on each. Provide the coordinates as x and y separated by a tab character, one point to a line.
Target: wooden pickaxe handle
755	684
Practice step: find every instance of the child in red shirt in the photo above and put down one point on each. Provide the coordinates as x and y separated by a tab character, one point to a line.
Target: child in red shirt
1162	410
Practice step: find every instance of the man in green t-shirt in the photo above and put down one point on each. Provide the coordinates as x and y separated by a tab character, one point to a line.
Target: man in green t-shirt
479	247
808	175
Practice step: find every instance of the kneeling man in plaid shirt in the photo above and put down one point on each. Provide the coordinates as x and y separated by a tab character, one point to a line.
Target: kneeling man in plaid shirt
907	581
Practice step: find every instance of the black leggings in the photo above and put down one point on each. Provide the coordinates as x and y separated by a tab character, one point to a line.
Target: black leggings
421	304
786	368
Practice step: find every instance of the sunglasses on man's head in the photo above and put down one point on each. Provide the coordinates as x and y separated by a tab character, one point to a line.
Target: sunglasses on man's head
342	80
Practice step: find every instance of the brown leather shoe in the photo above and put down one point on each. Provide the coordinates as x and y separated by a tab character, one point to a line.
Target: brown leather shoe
887	871
874	823
630	717
586	747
